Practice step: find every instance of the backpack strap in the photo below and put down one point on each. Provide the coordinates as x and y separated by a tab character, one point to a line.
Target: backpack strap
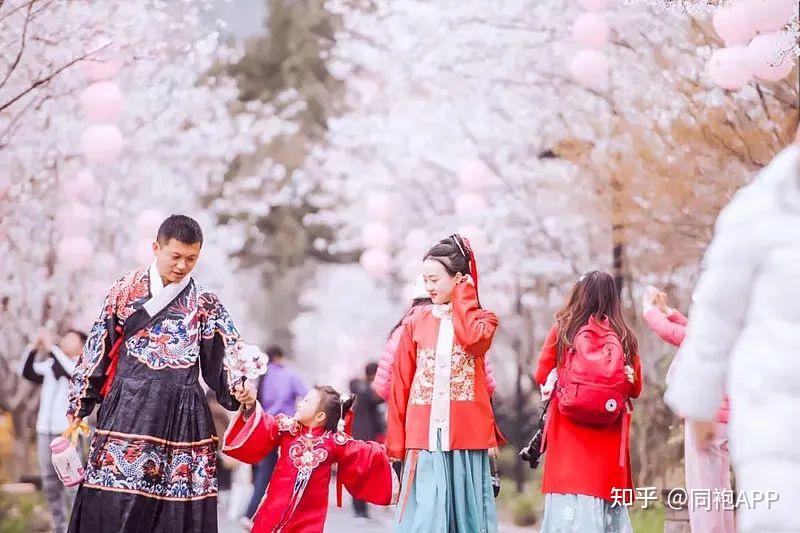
626	430
547	419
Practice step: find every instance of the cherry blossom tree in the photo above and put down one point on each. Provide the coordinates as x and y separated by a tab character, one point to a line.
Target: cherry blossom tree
181	126
629	177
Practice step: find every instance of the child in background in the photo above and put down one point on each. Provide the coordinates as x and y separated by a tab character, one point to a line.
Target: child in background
705	469
310	444
52	371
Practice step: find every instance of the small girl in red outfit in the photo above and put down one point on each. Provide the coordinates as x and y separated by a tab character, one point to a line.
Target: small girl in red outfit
310	443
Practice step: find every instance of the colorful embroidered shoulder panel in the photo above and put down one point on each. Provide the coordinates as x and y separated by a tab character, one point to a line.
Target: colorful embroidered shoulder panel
131	289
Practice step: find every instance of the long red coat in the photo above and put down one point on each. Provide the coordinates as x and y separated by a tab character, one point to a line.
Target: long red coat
583	459
297	497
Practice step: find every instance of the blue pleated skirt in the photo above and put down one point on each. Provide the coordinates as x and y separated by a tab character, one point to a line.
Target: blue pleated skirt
451	492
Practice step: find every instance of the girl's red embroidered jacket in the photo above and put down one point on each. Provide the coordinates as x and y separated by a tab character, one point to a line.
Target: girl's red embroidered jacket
439	379
297	496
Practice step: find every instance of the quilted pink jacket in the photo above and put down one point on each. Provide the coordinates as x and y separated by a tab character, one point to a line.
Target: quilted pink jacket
383	378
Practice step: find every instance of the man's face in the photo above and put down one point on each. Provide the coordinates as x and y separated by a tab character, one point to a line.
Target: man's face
176	259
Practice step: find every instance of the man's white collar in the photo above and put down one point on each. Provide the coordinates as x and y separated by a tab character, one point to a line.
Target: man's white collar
162	295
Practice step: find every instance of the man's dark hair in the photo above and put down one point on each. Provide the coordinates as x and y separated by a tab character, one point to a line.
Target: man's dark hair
83	336
181	228
275	351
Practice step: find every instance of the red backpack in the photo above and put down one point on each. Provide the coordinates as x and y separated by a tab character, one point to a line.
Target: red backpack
592	388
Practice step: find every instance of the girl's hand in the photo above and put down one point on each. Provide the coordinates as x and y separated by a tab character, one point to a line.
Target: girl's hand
467	279
703	432
395	488
493	453
661	302
629	374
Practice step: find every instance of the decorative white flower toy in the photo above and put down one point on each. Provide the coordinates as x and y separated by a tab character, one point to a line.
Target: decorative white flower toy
246	362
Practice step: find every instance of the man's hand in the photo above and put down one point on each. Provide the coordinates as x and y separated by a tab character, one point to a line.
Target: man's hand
245	395
704	432
72	420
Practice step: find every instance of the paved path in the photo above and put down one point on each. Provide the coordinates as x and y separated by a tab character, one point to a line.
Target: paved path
343	521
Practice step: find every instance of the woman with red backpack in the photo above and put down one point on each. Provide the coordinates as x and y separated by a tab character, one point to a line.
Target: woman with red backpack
590	370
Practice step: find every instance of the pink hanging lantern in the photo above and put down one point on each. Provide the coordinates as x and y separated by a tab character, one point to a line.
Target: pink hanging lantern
74	220
105	263
143	253
590	69
594	6
79	188
75	253
590	30
728	68
379	206
102	144
5	185
470	203
411	269
376	262
734	23
376	235
772	15
100	67
417	241
770	56
147	224
474	175
101	101
476	236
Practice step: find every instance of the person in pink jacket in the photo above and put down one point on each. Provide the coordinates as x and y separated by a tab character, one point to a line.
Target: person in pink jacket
705	469
383	378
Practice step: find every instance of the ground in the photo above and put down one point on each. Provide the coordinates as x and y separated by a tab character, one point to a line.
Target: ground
343	521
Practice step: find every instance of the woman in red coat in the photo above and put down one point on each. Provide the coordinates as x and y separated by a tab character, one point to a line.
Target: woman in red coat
587	467
441	422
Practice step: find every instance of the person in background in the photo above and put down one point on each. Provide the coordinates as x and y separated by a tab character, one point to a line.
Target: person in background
51	366
705	469
743	340
368	423
278	393
593	354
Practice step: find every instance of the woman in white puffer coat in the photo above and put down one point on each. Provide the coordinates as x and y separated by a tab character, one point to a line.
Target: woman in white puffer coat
744	338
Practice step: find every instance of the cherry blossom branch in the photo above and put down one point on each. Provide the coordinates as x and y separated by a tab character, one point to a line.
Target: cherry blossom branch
42	81
16	61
